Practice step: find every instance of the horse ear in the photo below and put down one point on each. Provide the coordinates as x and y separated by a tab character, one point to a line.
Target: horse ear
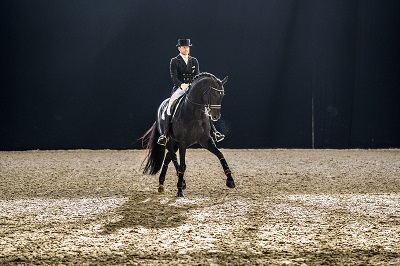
224	80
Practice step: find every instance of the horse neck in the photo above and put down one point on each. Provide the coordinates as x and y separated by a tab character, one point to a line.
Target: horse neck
194	98
197	91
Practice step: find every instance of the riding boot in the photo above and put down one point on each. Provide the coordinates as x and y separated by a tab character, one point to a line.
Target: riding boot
218	136
163	139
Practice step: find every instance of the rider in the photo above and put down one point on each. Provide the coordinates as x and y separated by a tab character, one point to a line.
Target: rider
182	69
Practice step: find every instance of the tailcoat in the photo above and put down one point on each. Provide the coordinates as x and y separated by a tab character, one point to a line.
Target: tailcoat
182	72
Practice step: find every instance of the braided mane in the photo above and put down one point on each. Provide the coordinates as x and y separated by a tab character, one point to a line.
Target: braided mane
206	74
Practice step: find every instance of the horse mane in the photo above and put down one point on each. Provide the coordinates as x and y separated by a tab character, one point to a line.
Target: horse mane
205	75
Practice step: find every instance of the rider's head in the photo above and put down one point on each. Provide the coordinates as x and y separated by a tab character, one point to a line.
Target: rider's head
184	50
184	46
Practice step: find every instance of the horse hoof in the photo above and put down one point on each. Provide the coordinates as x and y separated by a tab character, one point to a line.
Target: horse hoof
160	189
230	184
179	194
181	185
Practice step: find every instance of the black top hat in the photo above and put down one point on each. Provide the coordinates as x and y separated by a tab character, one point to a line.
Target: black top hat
184	42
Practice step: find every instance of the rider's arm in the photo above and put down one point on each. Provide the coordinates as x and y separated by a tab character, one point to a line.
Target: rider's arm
174	73
197	69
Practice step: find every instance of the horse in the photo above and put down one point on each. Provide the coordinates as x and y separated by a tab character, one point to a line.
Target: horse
190	125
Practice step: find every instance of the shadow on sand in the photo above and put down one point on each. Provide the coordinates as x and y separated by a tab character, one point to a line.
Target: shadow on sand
150	210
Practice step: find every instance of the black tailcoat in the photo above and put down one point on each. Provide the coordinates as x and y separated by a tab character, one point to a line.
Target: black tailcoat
182	72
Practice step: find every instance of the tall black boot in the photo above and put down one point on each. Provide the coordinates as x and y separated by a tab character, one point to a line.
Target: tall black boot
163	139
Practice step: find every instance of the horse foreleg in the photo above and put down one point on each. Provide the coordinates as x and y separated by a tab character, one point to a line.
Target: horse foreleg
229	179
181	172
213	149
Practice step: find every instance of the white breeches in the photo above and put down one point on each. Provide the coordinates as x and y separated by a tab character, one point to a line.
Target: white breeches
178	93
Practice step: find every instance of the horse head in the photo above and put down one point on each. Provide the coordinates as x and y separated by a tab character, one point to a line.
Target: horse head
207	91
215	99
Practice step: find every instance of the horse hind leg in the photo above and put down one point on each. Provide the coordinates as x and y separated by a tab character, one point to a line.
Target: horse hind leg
163	173
161	178
170	156
181	185
176	165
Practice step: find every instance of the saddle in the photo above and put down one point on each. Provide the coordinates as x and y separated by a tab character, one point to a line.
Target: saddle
163	112
174	107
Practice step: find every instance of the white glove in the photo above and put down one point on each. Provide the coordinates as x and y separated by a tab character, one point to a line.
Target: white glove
184	86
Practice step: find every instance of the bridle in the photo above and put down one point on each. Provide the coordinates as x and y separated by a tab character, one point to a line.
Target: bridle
208	106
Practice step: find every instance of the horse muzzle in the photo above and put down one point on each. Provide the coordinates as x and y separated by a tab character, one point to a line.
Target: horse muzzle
215	114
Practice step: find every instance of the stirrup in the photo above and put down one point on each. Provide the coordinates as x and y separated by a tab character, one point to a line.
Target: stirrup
162	140
218	136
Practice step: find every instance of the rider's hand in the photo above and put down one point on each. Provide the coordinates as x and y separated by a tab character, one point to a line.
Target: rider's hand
184	86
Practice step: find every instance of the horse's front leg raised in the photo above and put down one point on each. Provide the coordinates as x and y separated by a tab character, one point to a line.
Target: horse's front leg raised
182	167
213	148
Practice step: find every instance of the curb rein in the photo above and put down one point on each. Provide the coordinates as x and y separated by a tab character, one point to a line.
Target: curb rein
207	106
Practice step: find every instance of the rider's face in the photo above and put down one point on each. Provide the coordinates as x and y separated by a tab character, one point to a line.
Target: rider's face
184	50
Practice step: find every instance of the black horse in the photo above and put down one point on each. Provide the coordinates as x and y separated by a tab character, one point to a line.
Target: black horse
190	125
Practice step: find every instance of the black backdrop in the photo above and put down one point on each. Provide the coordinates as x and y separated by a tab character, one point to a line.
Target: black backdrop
302	74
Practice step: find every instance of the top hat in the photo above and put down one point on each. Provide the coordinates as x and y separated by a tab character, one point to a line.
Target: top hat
184	42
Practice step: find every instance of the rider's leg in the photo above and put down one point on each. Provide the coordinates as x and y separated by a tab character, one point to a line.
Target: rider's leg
178	93
162	140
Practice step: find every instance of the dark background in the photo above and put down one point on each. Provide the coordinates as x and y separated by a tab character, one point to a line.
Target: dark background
302	74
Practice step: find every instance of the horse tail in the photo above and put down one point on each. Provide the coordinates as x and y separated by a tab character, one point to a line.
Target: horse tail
155	152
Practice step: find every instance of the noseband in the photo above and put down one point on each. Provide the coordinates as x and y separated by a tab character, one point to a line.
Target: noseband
208	106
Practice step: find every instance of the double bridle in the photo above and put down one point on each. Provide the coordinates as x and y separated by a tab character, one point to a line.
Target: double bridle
208	106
